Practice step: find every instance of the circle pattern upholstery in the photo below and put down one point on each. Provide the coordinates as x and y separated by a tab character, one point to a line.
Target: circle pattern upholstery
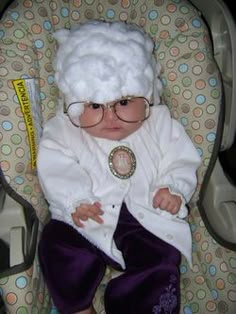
192	91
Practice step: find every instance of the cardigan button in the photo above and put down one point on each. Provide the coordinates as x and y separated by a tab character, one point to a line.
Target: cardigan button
140	215
169	237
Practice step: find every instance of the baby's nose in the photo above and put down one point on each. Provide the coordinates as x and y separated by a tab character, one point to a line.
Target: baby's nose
109	113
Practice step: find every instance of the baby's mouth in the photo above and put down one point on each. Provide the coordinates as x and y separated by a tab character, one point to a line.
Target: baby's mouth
112	127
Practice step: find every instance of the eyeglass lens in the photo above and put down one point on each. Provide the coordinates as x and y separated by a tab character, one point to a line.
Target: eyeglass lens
131	110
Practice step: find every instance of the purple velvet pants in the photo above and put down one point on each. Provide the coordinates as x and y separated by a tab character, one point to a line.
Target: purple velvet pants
73	268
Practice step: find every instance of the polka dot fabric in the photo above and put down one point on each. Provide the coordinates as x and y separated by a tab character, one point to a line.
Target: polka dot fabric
192	92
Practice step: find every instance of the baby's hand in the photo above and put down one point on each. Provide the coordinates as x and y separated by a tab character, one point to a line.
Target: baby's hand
167	201
86	211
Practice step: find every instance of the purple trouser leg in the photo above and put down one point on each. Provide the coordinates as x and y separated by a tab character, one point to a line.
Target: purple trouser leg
73	268
150	284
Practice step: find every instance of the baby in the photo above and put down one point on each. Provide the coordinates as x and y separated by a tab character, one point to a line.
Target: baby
117	172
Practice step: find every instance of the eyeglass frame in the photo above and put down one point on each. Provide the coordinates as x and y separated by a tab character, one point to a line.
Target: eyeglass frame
106	106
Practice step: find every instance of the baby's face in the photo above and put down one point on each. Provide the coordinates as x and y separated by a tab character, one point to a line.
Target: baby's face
111	127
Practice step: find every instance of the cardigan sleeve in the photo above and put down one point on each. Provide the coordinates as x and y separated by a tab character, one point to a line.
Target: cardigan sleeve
64	183
179	157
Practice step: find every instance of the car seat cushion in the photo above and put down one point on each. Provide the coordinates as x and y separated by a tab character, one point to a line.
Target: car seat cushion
190	77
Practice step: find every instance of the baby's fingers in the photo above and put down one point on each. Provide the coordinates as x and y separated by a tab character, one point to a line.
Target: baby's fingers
95	217
90	211
172	207
97	208
95	212
77	221
158	201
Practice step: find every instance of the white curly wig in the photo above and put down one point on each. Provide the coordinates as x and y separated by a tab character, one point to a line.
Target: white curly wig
102	61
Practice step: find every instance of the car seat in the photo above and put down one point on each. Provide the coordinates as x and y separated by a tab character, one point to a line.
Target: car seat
194	90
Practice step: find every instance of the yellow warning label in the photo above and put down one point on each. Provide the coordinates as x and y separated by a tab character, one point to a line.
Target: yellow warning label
24	100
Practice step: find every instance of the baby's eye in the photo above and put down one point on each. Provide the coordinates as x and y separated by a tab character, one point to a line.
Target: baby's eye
124	102
94	105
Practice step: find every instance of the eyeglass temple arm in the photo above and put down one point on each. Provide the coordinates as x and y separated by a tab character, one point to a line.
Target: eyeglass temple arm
64	108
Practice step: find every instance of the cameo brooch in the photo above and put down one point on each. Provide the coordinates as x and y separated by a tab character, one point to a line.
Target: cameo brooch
122	162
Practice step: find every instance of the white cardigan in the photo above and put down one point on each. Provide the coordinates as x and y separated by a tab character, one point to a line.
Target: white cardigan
73	168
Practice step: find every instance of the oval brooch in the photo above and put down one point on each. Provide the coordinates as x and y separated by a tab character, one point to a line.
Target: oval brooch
122	162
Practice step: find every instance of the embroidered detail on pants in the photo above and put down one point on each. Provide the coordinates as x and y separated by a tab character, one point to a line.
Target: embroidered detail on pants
168	300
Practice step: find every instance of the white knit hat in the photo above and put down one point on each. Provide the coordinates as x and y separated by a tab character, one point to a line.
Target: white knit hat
101	61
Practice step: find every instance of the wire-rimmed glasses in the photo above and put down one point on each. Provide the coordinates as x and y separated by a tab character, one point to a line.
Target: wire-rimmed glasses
128	109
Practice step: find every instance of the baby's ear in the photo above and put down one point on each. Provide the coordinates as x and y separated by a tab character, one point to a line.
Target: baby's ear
61	35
